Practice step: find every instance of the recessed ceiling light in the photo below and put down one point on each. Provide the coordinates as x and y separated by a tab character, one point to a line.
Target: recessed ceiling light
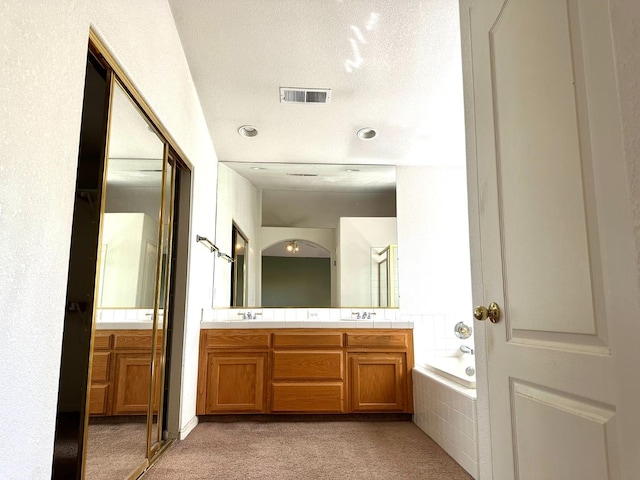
352	170
366	133
248	131
258	168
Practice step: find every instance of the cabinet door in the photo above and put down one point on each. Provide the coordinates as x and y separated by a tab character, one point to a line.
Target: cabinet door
378	382
235	383
133	372
98	399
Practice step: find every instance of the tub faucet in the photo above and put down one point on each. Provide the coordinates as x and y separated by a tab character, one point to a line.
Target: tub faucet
466	349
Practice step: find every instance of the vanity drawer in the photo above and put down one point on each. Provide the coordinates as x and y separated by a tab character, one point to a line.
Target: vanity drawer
314	365
307	397
130	341
102	341
309	340
232	339
374	340
100	367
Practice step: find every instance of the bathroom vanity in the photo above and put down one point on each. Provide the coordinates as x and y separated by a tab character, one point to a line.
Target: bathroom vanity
305	370
120	372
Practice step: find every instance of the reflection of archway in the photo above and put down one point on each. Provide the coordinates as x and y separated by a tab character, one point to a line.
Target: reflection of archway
306	248
296	277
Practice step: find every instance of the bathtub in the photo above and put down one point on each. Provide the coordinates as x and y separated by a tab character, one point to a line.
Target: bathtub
454	369
446	410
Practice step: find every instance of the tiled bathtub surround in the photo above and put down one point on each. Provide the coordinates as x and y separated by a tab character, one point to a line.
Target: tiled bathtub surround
434	336
303	318
446	412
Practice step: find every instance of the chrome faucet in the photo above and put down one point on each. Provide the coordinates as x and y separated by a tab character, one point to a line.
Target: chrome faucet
249	316
466	349
362	316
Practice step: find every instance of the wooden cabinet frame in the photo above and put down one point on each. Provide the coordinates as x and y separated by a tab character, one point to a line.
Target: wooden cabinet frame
117	387
306	371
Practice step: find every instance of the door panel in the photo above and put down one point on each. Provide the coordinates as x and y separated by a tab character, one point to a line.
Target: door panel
378	382
563	416
547	142
133	372
539	169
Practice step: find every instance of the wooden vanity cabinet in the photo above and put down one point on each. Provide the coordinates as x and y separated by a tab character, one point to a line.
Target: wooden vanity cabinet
121	372
305	371
236	382
232	372
379	371
378	382
307	374
100	375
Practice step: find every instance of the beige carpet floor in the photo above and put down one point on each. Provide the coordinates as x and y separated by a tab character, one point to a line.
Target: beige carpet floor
284	450
115	450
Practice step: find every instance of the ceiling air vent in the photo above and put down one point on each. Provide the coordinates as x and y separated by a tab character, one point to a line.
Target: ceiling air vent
305	95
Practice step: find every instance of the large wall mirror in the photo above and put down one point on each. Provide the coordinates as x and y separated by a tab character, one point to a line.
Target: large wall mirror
317	235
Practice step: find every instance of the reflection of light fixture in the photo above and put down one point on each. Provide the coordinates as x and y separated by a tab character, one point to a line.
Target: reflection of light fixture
292	247
239	246
248	131
366	133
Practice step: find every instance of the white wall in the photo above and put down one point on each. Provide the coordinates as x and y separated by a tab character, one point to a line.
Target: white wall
325	237
239	202
434	261
433	240
43	49
356	238
124	279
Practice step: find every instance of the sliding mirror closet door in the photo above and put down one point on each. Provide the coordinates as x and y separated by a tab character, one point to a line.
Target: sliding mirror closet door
161	319
126	349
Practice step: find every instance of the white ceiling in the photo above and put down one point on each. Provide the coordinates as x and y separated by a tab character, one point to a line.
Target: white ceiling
391	65
318	177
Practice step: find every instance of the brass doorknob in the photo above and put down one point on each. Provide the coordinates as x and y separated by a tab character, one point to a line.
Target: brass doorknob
492	313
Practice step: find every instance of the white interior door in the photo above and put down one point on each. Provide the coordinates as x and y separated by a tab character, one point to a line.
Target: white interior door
555	240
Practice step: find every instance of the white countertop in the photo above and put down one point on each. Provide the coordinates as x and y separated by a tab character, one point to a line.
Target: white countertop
124	325
304	318
304	324
141	319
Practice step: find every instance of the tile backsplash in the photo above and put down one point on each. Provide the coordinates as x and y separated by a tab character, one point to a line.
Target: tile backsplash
124	315
305	317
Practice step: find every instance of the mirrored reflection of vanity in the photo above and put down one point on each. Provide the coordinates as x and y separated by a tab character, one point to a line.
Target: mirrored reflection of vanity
314	235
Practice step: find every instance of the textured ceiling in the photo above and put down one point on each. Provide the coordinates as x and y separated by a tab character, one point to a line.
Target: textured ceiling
391	65
318	177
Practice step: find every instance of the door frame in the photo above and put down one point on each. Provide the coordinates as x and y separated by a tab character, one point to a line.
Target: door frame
485	466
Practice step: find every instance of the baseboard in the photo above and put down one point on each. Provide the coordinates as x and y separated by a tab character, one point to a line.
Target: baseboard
312	417
186	430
